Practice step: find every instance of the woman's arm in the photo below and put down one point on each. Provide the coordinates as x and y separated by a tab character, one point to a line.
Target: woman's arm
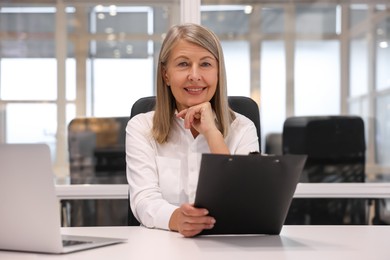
146	200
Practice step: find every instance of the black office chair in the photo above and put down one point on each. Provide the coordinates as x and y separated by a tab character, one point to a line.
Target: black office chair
335	146
240	104
97	156
273	144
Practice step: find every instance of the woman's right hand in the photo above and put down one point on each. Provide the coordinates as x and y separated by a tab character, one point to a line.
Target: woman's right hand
190	221
201	118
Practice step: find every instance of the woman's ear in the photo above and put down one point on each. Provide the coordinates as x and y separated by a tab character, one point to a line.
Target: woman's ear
165	76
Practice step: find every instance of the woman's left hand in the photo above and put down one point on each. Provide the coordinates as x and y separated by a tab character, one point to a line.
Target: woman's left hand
190	221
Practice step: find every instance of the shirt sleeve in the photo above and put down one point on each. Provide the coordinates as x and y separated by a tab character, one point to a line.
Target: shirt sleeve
146	200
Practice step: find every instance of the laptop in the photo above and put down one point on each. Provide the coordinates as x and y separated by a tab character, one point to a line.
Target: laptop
247	194
30	212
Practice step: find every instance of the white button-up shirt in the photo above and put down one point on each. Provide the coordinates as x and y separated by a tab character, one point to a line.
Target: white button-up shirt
163	176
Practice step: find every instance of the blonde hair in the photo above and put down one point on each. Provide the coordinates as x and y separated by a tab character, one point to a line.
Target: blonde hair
165	101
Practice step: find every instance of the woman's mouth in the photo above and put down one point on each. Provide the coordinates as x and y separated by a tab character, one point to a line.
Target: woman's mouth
195	90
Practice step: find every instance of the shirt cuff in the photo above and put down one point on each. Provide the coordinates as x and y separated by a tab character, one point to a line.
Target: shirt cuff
164	215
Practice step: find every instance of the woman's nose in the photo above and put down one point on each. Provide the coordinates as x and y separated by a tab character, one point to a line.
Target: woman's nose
194	74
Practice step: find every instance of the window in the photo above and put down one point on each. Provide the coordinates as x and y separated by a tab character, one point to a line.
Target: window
110	55
293	58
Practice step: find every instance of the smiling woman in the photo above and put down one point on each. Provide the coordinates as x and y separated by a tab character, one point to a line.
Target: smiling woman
191	117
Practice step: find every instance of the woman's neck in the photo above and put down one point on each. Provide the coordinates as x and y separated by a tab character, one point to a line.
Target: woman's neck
194	132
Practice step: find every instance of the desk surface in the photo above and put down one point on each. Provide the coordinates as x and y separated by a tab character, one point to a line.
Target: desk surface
295	242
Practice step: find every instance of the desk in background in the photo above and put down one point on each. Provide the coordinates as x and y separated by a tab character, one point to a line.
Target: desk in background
304	190
295	242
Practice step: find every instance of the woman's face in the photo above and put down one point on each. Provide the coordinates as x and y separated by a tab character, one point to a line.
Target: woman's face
192	74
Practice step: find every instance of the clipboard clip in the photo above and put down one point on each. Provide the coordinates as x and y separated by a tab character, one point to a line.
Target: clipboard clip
258	153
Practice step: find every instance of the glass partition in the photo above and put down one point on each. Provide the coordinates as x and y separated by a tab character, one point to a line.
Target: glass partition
317	78
358	76
78	59
383	55
91	58
383	130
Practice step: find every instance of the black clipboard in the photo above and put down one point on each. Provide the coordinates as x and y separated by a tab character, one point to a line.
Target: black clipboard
247	194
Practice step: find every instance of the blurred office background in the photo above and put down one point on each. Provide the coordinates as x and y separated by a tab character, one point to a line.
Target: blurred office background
67	59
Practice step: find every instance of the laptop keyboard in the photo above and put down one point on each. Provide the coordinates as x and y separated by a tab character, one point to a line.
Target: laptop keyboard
74	242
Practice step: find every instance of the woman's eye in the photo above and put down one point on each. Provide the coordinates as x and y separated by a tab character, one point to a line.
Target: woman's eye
206	64
183	64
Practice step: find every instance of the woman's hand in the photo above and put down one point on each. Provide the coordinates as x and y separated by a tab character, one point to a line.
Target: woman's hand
201	118
190	221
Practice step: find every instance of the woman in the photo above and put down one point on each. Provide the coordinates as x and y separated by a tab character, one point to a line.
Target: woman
191	117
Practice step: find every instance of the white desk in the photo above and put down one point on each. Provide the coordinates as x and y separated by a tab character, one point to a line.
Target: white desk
304	190
295	242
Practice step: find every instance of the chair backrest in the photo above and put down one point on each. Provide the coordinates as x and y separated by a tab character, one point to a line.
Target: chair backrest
240	104
330	142
273	144
97	149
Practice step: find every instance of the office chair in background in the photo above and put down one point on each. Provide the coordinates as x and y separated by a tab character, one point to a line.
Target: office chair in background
97	156
273	144
336	147
240	104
